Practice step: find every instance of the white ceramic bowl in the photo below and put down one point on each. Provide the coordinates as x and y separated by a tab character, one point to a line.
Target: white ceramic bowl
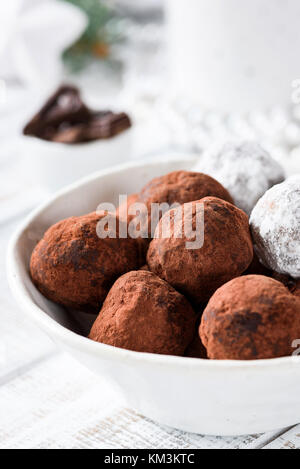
210	397
56	165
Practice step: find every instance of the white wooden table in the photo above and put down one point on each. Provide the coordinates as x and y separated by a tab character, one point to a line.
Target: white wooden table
48	400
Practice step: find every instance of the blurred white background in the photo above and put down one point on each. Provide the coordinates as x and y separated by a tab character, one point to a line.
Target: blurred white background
152	59
122	55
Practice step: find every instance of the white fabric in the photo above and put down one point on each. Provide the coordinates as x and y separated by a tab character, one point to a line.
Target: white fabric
34	33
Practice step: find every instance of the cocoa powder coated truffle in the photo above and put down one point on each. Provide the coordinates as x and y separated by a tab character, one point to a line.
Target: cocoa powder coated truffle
257	268
124	213
226	253
124	209
145	314
181	187
249	318
296	289
72	266
196	349
275	225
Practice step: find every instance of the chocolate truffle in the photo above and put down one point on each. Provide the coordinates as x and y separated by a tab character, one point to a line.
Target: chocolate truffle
257	268
249	318
287	281
180	187
275	225
296	289
196	349
72	266
123	211
226	253
246	170
145	314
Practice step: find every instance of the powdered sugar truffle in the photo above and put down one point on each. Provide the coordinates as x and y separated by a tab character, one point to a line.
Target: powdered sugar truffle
245	169
275	225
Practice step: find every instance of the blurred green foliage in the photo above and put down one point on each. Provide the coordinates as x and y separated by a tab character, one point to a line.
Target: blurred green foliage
103	30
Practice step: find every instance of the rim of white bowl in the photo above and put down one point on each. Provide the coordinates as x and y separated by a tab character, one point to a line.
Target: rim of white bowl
48	324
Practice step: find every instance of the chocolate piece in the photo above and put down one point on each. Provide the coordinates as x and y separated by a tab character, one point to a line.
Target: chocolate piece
66	119
65	106
226	253
68	134
145	314
99	126
249	318
72	266
106	125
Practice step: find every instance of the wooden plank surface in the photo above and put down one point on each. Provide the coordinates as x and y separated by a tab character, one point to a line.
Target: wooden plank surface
288	440
59	404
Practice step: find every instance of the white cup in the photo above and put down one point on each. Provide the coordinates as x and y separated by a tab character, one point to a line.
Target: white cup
54	165
234	55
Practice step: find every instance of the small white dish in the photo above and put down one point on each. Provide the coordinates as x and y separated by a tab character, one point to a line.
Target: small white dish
202	396
55	165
